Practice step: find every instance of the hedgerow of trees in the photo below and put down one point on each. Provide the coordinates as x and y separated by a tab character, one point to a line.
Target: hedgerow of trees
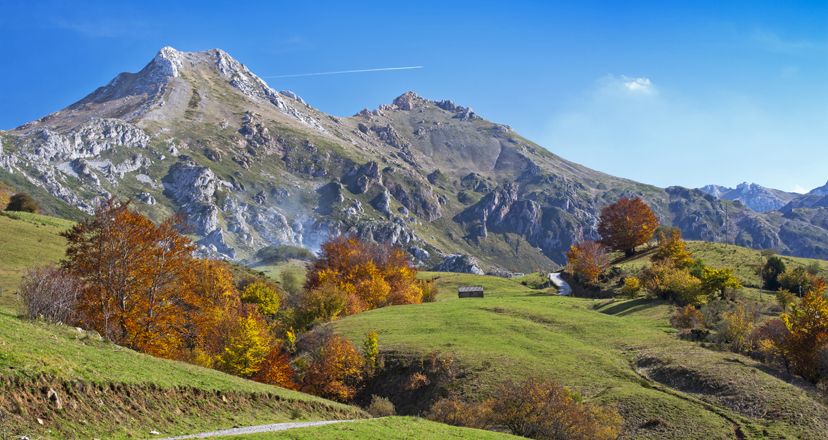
138	284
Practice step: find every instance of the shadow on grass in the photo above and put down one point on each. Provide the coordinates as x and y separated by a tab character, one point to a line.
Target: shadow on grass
628	307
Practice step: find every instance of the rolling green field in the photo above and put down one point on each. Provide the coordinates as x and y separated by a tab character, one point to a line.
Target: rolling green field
386	428
745	262
27	240
621	353
274	271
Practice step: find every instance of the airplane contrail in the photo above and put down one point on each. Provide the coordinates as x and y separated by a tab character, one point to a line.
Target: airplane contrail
379	69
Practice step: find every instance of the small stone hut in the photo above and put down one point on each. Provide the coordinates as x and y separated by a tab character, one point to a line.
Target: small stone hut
470	292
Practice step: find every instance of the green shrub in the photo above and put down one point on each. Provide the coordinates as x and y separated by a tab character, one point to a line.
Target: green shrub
22	202
785	299
280	253
798	281
292	282
264	295
771	272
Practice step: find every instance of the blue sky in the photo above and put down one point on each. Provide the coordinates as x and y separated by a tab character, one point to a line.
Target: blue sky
660	92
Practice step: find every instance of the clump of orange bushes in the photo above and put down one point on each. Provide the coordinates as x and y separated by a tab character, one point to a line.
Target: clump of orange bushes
534	408
351	276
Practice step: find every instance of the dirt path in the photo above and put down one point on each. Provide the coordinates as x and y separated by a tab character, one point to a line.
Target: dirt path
257	429
738	429
564	288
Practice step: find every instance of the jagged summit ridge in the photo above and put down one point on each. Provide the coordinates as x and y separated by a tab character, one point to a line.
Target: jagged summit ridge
164	86
754	196
410	100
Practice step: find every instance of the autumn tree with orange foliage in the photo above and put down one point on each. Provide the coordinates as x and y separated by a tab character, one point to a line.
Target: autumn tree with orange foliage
352	276
135	276
807	325
334	370
142	288
627	224
587	261
277	370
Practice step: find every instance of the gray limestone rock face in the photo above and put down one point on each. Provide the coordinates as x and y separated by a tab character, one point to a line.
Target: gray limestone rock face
459	263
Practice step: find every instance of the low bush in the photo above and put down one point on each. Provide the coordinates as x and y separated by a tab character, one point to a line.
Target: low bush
381	407
429	290
736	326
632	286
22	202
785	299
535	408
49	293
456	412
678	285
687	317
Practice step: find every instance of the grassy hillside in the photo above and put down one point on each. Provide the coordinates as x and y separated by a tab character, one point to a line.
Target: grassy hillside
745	262
28	239
387	428
57	381
621	353
137	389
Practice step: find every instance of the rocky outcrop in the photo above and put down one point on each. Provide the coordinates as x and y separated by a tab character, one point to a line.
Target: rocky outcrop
459	263
192	187
257	135
89	140
382	202
363	177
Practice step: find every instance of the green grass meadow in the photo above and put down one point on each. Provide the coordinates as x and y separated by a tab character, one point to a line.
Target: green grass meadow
601	348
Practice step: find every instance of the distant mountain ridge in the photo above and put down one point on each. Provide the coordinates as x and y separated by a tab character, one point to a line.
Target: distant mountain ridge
754	196
820	191
199	133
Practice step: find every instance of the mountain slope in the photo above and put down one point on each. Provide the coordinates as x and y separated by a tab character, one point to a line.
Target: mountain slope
198	133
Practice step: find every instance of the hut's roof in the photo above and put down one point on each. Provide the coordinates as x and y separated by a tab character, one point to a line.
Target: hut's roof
463	289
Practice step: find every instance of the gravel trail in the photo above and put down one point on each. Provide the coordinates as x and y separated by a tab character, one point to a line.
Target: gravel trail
257	429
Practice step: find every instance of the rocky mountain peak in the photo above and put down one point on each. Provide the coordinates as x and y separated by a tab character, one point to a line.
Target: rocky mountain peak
168	61
754	196
408	101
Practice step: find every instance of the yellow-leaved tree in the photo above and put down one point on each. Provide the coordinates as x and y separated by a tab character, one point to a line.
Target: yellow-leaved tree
807	324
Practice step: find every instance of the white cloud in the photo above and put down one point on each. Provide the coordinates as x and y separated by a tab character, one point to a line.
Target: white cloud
638	85
799	189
